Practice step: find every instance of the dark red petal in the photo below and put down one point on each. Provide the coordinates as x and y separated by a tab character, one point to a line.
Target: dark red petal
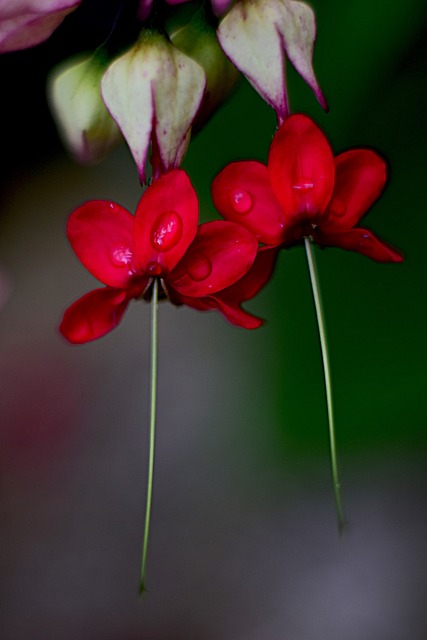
232	312
94	315
242	193
360	176
301	169
221	254
255	279
229	301
165	223
100	233
362	241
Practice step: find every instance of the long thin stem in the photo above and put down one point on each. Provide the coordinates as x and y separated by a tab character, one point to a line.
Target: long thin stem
327	376
153	393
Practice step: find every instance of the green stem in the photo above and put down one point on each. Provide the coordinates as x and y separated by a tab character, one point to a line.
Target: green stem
327	375
153	375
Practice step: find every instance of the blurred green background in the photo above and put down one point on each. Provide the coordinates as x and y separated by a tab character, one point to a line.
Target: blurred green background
244	542
371	59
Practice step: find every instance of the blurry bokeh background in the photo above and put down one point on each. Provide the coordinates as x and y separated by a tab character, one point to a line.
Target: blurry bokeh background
244	543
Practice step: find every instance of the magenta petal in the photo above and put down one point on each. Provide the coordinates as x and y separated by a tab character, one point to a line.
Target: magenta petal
301	168
220	6
144	9
362	241
359	180
100	233
165	223
25	24
94	315
242	193
221	254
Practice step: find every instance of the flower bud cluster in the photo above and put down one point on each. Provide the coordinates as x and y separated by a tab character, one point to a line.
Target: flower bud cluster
172	78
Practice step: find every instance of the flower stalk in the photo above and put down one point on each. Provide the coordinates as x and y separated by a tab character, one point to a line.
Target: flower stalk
152	430
315	287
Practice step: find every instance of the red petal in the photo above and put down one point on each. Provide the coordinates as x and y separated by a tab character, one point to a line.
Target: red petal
232	312
221	254
301	169
100	233
94	315
242	193
255	279
229	301
165	223
362	241
359	180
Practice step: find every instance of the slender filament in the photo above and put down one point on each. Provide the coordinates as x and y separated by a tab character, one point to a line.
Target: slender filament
327	377
152	432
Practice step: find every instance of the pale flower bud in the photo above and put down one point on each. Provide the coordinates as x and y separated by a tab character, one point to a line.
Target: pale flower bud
85	126
153	92
258	35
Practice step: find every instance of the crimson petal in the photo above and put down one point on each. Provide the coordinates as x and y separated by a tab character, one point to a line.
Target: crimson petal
362	241
301	169
165	223
100	233
242	193
359	180
231	311
94	315
229	301
255	279
221	254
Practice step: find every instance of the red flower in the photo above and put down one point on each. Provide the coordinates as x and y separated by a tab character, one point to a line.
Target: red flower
127	252
305	192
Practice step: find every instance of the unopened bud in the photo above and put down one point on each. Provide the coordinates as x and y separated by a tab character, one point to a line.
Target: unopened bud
74	90
153	92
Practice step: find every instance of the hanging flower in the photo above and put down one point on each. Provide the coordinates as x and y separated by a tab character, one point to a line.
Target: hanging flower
162	241
304	192
25	23
258	36
153	92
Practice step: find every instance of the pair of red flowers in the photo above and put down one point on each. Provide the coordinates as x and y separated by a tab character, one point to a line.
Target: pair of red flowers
303	192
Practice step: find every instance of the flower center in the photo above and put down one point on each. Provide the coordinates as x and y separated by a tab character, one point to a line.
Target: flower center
166	231
154	269
241	201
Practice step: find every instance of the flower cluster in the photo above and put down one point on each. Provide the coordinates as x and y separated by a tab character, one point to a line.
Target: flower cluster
172	77
153	93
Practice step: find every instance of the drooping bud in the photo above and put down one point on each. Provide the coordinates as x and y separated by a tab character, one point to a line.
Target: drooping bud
74	91
197	38
257	35
153	92
25	23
